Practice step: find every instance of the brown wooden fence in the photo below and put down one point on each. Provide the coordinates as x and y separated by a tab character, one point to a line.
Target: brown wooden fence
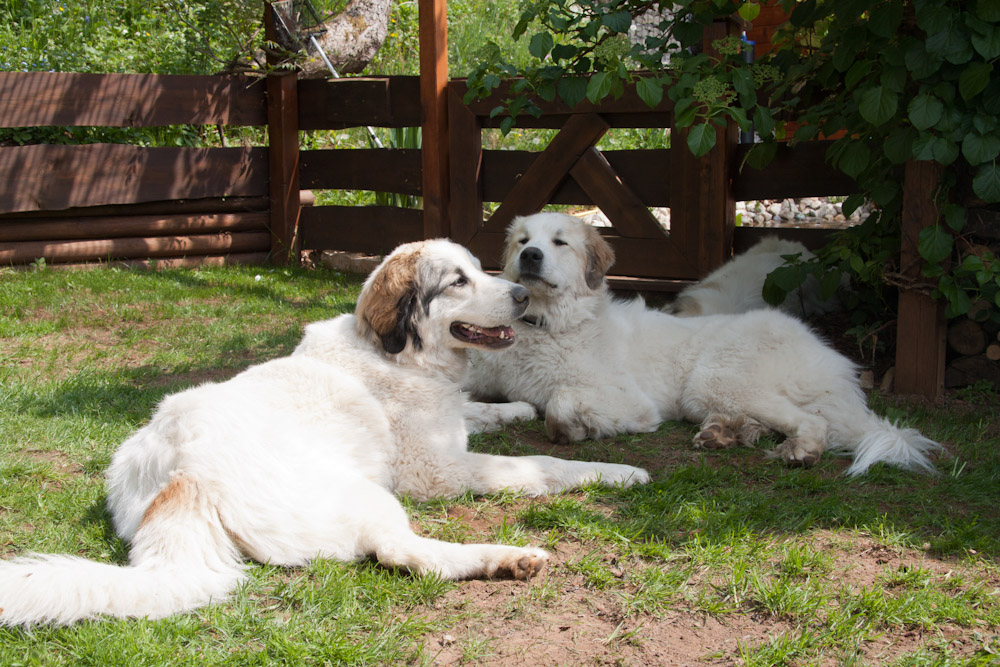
100	202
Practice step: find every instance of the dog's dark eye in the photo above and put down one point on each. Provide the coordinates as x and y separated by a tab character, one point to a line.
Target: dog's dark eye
460	281
523	241
558	242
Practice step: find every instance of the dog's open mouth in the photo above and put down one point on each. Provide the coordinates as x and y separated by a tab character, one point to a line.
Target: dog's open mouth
488	337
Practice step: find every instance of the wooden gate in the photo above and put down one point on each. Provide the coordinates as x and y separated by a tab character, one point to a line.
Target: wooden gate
571	170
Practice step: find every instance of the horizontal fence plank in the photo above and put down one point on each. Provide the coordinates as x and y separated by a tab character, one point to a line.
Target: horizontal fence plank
795	171
628	103
381	169
643	258
173	207
649	119
41	229
646	173
31	99
375	230
50	177
333	104
134	248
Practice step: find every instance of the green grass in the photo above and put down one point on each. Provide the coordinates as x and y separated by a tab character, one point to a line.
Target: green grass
893	568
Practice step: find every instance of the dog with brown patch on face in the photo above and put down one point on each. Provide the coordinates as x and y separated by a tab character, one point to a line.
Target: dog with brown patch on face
299	458
596	366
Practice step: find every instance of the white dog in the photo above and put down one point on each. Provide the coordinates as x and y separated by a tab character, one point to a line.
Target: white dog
298	458
596	366
736	286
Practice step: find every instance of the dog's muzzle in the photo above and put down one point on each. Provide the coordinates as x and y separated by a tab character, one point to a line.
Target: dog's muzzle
520	294
530	262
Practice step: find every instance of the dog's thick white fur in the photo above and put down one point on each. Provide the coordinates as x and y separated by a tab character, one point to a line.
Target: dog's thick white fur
298	458
598	366
736	286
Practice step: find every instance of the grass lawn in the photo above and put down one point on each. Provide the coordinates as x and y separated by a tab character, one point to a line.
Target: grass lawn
726	558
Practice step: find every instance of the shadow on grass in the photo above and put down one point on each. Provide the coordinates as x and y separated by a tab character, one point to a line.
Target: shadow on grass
720	497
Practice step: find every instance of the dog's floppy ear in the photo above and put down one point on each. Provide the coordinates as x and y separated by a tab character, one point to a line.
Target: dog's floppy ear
388	301
512	248
600	257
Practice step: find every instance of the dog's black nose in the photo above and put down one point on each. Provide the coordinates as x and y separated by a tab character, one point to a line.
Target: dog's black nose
520	294
531	260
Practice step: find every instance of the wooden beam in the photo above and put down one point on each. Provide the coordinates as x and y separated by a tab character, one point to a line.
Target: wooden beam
380	169
391	101
534	189
629	216
433	33
42	229
283	156
920	326
465	139
49	177
369	229
133	248
29	99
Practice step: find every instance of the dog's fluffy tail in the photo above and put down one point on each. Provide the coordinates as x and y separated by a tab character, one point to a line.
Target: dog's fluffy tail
181	558
874	439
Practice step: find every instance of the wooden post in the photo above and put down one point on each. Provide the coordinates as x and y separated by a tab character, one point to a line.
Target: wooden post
465	130
702	207
433	19
920	326
283	155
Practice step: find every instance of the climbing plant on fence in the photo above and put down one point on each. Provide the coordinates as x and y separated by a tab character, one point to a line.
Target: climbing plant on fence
896	80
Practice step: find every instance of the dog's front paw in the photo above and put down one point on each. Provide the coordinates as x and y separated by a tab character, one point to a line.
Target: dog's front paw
522	563
618	473
715	436
563	432
519	411
803	452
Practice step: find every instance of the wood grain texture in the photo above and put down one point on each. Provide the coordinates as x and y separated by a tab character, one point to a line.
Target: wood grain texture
30	99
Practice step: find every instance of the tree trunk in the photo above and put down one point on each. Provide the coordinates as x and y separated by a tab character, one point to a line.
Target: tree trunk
351	40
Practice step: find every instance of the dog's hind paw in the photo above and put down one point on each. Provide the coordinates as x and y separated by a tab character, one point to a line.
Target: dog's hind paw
522	563
798	452
715	436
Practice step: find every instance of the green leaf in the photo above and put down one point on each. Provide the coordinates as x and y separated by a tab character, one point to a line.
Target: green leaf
898	146
572	90
978	148
932	17
954	215
858	71
506	125
701	139
923	146
935	244
852	204
855	159
924	111
563	52
883	193
830	283
919	62
599	87
952	44
748	11
878	105
688	33
803	13
945	150
541	44
650	90
974	79
617	21
986	183
743	83
885	19
987	45
988	10
763	121
761	154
